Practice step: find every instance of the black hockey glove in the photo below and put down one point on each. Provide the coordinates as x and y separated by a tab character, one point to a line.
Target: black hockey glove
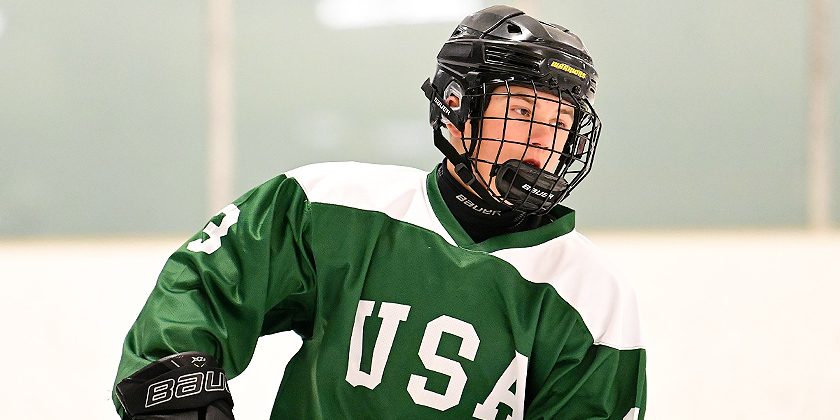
184	386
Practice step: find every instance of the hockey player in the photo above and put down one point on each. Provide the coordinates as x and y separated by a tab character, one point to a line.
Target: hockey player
461	293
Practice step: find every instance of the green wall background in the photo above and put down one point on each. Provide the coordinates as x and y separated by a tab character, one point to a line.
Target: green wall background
103	121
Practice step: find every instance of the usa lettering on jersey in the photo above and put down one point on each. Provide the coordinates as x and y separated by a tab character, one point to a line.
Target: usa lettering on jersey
392	315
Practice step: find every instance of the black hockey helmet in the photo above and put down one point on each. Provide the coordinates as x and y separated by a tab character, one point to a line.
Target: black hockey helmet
502	46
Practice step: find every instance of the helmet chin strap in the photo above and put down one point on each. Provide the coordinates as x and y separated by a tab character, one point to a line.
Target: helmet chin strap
462	165
461	162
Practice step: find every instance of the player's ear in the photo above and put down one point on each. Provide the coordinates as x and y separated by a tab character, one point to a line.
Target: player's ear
455	103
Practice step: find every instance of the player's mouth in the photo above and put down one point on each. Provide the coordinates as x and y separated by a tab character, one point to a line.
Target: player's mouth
533	162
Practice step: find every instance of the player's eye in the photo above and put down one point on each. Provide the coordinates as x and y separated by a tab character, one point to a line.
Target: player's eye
521	112
564	123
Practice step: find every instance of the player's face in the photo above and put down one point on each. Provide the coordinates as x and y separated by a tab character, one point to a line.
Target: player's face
521	126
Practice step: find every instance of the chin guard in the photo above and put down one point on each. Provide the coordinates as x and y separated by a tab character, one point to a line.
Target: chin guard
527	188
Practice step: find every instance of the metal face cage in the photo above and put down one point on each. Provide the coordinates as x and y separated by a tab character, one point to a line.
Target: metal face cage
531	155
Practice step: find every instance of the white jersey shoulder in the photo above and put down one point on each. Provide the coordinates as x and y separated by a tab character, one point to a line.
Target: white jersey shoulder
583	276
398	191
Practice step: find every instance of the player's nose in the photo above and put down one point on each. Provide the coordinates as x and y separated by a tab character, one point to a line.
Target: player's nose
542	135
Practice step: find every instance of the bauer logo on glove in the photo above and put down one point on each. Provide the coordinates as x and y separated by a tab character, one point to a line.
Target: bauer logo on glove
182	382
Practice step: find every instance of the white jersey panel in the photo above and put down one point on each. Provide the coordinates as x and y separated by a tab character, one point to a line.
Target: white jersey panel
584	278
398	191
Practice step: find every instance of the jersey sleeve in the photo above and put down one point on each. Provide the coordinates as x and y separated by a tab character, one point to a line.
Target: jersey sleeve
588	362
250	272
596	381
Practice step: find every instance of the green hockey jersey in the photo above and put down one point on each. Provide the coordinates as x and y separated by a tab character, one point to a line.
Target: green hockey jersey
402	315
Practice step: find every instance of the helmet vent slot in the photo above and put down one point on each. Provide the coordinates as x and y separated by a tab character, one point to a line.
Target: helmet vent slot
511	59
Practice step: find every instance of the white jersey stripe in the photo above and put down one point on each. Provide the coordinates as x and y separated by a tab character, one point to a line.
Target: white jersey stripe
583	277
379	188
